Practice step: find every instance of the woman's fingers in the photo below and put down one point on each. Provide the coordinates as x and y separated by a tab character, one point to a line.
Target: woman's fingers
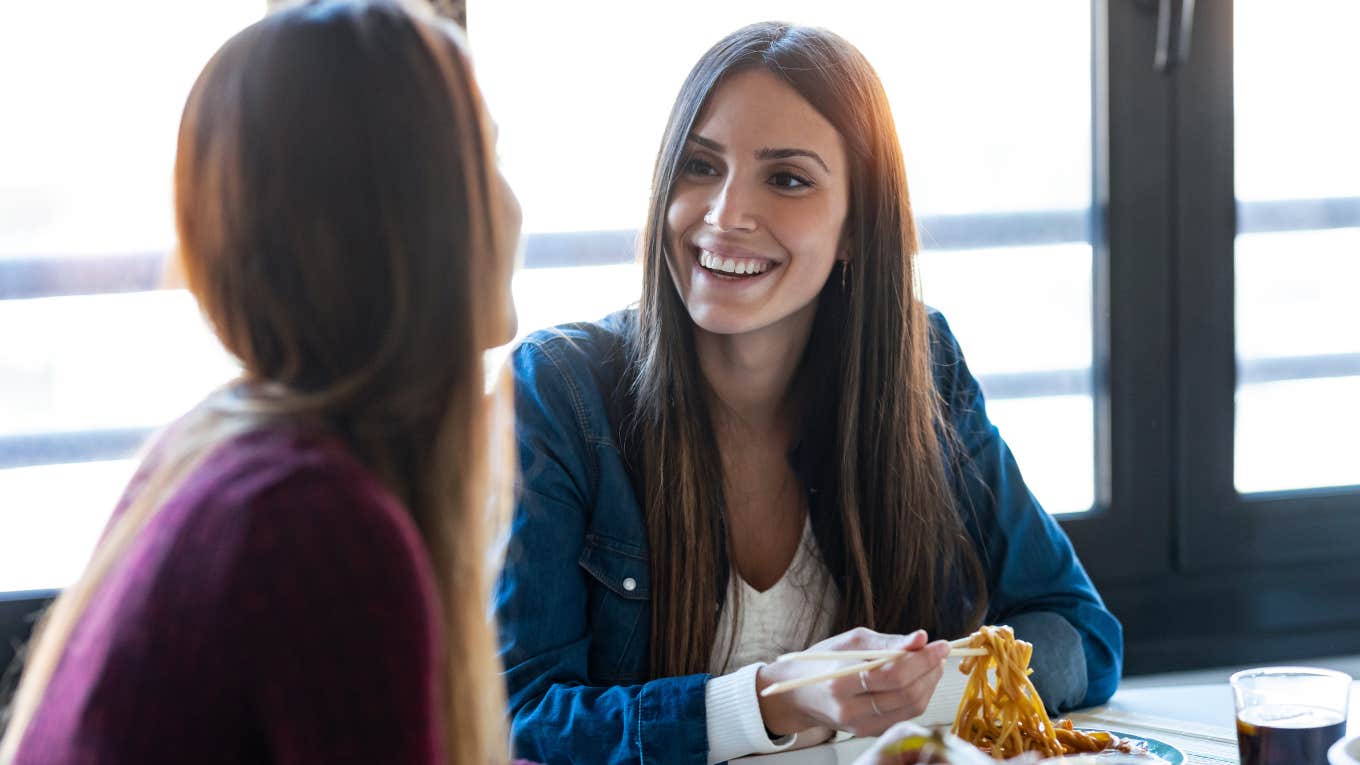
924	687
863	638
904	696
911	701
893	707
899	673
867	703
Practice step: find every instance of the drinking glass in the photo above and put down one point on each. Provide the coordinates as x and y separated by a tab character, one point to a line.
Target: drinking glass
1289	715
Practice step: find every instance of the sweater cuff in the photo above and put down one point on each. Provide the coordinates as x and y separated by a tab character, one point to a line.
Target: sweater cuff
735	727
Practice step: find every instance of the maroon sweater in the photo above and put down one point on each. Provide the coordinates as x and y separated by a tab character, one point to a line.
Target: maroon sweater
279	608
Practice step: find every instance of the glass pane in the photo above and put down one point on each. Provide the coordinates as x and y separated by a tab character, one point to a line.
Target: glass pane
92	94
97	362
1298	244
73	369
1000	172
51	517
1038	391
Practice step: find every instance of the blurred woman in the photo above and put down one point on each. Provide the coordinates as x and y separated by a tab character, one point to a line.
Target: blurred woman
299	570
781	446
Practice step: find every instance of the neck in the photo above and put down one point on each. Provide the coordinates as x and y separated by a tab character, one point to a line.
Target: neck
751	375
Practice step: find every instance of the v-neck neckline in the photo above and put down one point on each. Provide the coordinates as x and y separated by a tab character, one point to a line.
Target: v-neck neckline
804	545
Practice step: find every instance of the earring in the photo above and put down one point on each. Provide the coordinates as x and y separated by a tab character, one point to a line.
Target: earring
845	267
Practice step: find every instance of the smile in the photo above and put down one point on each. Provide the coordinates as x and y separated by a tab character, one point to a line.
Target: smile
733	266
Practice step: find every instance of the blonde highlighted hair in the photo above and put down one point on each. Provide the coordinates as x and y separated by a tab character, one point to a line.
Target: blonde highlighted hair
335	204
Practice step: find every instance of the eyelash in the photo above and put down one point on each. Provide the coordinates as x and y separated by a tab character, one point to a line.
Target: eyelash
697	166
780	180
785	176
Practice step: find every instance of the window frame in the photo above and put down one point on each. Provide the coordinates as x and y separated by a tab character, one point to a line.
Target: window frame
1223	528
1131	323
1243	578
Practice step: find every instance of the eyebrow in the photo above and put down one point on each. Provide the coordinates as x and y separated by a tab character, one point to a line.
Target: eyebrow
766	153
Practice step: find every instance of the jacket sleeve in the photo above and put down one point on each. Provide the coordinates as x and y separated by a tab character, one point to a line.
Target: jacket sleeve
1036	584
543	607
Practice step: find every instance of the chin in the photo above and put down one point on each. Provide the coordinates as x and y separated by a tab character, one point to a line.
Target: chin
504	333
723	321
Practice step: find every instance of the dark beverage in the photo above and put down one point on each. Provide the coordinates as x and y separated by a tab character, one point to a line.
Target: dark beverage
1287	734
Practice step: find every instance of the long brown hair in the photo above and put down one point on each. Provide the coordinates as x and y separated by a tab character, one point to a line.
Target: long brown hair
334	199
890	533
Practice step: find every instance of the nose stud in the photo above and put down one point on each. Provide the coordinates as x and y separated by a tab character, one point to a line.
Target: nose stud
709	219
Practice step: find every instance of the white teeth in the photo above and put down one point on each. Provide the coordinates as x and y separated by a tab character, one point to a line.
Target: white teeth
738	266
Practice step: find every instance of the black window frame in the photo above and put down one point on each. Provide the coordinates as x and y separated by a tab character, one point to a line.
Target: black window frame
1226	578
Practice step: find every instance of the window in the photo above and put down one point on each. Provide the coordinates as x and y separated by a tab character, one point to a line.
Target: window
1297	246
1139	216
1004	213
85	178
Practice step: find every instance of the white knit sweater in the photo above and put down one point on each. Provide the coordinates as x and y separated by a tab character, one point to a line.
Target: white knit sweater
790	616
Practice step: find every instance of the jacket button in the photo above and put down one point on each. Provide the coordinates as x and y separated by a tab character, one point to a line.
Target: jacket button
630	584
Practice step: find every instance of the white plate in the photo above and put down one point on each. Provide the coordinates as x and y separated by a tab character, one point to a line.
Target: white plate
1345	752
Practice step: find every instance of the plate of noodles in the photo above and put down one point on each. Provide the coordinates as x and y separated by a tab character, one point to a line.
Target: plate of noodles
1000	715
1001	712
939	746
1141	749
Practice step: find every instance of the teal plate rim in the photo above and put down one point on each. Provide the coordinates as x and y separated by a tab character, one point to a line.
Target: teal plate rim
1157	748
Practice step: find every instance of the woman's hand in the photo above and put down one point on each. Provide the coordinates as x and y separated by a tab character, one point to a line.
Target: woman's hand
865	704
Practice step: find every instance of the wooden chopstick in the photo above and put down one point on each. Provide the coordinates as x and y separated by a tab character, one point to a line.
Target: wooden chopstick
789	685
956	648
876	660
866	655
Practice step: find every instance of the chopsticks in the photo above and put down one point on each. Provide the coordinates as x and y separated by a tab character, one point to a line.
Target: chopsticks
863	655
956	648
875	659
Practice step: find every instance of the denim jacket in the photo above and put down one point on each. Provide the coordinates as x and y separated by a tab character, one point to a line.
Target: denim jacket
573	601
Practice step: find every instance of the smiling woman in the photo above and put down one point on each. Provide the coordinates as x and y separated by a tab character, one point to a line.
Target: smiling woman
766	454
756	215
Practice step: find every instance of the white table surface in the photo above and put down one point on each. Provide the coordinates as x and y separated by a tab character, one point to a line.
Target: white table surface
1190	713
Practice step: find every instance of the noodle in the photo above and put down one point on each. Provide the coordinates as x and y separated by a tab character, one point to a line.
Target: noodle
1007	717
